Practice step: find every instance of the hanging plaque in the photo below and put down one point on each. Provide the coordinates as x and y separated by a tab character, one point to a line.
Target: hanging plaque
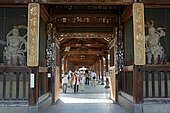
139	34
33	34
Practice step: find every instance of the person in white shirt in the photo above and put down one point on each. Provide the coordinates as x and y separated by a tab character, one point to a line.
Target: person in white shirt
82	82
65	81
93	78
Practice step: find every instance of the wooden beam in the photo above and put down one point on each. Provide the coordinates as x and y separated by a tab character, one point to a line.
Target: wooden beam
84	20
82	52
127	13
160	2
79	15
80	60
85	35
84	29
96	25
44	13
89	2
77	59
15	69
15	1
157	6
83	63
86	45
13	5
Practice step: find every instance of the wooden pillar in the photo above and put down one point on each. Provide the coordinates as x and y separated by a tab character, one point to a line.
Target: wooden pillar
45	82
68	66
139	51
65	64
33	86
102	70
138	84
107	74
60	69
98	69
33	50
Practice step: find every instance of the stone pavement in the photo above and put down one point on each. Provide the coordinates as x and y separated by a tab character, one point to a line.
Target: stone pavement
91	100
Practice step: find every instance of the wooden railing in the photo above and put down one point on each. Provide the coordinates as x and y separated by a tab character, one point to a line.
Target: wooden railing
127	80
156	81
14	83
149	81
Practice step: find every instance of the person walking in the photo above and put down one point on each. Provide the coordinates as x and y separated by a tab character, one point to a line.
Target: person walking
64	81
76	82
87	77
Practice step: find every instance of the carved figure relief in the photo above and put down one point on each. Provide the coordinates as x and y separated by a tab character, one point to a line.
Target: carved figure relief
153	45
15	46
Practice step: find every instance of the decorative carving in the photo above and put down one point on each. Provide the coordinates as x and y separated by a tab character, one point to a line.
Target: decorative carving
139	34
154	50
33	34
84	20
50	47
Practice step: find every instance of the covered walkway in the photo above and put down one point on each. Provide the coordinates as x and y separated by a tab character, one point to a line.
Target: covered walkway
91	100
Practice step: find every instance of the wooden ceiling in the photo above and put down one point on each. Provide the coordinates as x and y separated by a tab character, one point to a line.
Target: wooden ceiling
83	51
84	31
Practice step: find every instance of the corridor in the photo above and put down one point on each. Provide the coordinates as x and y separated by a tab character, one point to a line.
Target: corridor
92	100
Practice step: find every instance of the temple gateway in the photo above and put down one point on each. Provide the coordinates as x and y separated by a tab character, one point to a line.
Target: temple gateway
126	42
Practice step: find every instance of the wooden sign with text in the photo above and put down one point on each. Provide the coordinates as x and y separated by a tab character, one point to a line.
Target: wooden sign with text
139	34
33	34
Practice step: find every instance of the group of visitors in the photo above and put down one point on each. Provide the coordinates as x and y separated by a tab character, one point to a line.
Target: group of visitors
78	80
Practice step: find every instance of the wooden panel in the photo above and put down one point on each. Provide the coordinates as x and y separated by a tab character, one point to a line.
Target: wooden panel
33	34
112	82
